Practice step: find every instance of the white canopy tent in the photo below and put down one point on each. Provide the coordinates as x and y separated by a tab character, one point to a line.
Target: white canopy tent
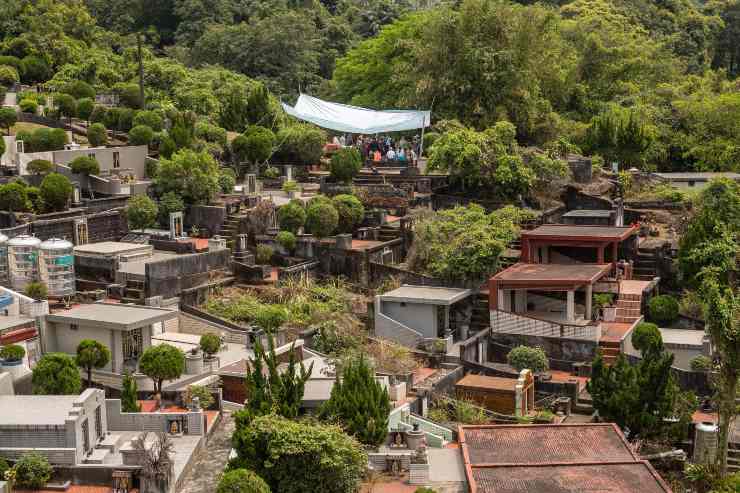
356	120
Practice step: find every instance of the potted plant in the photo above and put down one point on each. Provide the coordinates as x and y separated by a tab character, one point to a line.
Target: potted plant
439	348
602	305
12	355
291	188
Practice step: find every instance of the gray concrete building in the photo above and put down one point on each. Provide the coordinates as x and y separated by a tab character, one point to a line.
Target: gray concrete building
126	330
64	428
693	181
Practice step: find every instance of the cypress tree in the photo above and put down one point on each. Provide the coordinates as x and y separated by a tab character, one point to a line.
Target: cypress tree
129	401
360	403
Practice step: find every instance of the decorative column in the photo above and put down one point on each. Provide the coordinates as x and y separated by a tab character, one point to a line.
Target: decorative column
589	296
493	303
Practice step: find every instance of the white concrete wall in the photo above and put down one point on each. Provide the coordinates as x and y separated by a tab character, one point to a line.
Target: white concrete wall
130	157
420	317
6	384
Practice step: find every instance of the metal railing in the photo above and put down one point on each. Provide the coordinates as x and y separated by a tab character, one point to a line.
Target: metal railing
512	323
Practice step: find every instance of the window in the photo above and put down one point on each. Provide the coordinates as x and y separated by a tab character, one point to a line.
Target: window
98	422
85	436
73	327
91	155
132	344
692	183
116	160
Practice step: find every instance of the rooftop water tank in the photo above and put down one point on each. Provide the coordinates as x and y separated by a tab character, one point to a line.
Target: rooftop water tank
57	267
23	264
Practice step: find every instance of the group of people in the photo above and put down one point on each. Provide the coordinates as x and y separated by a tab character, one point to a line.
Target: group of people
383	148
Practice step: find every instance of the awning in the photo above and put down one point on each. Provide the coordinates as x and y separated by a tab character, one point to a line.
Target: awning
353	119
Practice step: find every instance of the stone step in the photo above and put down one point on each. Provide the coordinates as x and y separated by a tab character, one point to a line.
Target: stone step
609	352
629	297
626	320
97	456
628	312
110	443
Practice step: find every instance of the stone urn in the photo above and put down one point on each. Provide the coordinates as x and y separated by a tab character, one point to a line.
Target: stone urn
193	363
414	438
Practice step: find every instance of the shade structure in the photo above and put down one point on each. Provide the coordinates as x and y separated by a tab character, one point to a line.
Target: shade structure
353	119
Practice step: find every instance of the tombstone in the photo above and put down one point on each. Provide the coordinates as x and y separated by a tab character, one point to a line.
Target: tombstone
76	194
619	205
80	230
19	147
176	230
241	243
250	184
615	167
289	172
216	243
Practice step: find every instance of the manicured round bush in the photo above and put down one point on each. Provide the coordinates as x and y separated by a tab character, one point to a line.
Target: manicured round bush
530	358
345	164
85	165
12	352
286	239
36	290
97	135
141	212
40	167
56	374
3	468
300	144
55	191
271	172
321	219
241	481
701	363
227	180
14	197
169	203
290	186
140	135
351	212
151	119
32	471
66	104
79	89
210	344
646	337
263	255
8	75
99	114
28	106
663	309
292	216
35	69
255	145
85	108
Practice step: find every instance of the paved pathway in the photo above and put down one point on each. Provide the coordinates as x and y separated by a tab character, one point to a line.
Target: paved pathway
203	476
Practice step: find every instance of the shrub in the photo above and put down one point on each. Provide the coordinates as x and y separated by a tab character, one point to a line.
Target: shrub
140	135
151	119
28	106
167	147
4	467
321	219
40	167
295	457
85	165
169	203
663	309
227	180
55	191
79	89
66	105
525	357
263	255
35	69
162	362
32	471
691	305
129	395
14	197
12	352
36	290
241	481
128	94
345	164
290	186
8	75
271	172
97	135
205	398
286	239
85	107
254	145
99	114
141	212
56	374
350	210
292	216
8	118
701	363
210	133
210	344
646	337
301	144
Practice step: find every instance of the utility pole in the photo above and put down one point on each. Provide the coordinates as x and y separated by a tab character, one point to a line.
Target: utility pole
141	70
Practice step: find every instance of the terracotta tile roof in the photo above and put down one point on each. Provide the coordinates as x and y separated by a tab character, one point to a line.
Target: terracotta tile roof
586	232
552	273
602	478
513	444
565	458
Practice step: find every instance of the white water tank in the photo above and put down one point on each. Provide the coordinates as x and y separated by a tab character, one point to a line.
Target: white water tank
4	260
57	267
23	266
705	443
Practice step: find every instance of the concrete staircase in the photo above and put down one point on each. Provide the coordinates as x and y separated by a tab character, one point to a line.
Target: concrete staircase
230	228
609	351
109	445
645	268
133	292
628	308
388	233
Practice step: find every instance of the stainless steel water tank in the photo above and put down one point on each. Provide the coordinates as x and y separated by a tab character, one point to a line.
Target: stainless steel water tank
57	267
23	266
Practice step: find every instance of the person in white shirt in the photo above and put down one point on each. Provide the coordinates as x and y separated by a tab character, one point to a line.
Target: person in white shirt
342	141
391	156
411	155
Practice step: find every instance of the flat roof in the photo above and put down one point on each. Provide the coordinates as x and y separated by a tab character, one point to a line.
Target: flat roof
138	267
580	232
35	410
485	382
698	176
552	274
426	295
110	247
600	213
112	315
682	337
564	458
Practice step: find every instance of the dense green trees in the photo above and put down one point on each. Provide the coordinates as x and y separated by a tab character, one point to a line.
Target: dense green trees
56	190
193	175
56	374
161	363
294	457
141	212
292	216
350	212
241	481
97	135
91	354
359	403
345	164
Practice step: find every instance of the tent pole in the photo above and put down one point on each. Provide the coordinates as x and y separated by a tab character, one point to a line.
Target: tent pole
421	145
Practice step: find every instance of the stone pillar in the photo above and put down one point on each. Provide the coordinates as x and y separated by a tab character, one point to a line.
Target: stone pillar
503	300
289	172
493	300
600	255
589	296
570	310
